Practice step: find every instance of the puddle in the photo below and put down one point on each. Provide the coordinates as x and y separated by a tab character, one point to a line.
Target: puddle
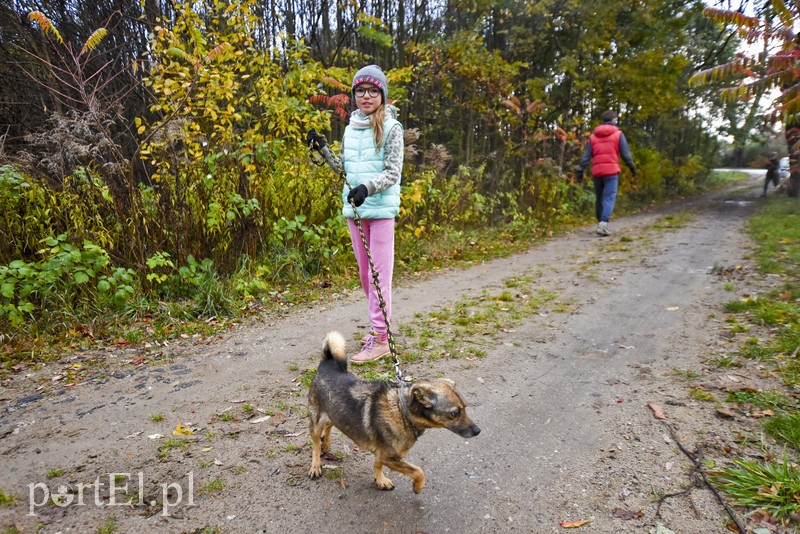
739	202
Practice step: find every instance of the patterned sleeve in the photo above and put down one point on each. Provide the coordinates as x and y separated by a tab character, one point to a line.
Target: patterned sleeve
392	163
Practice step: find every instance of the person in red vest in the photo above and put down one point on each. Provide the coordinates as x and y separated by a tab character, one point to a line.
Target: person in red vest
606	145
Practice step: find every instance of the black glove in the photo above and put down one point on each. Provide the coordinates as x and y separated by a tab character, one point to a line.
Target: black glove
358	195
633	173
578	173
314	140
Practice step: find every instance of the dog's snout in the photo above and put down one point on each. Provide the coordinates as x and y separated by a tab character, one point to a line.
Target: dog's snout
471	431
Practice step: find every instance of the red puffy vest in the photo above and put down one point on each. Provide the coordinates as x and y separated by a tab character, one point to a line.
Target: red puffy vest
605	150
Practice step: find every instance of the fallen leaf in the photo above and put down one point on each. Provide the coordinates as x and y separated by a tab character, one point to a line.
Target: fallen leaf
575	524
279	418
723	412
658	413
621	513
181	431
260	419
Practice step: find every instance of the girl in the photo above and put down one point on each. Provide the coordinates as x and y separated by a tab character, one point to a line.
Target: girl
372	152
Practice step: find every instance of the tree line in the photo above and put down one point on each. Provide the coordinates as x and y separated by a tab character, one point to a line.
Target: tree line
166	134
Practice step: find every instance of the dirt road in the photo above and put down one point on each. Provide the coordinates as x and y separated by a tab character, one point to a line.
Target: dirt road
561	395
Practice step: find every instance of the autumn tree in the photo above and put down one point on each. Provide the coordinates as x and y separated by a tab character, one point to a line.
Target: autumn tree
771	61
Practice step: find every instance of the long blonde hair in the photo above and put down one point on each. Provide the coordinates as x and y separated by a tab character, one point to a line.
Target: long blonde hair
376	120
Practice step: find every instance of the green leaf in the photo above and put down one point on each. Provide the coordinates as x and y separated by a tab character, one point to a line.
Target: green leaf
7	290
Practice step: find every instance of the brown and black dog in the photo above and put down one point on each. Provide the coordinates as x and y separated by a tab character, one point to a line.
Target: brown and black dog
379	417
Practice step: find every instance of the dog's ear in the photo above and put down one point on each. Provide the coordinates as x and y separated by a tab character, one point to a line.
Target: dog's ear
448	381
424	395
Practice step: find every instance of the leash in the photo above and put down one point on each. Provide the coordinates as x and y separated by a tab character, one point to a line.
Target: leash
320	155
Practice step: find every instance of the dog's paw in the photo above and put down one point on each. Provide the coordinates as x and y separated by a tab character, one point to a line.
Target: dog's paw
384	484
315	471
419	484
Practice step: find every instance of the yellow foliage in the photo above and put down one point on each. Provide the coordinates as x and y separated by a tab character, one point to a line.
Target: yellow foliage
95	39
232	120
45	24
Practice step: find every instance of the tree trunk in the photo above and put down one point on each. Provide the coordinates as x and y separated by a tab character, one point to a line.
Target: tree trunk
793	142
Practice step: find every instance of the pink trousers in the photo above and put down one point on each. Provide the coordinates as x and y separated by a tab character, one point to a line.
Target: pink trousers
379	234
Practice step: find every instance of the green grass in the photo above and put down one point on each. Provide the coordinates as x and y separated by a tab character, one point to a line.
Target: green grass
109	527
334	474
720	179
307	377
55	472
776	229
701	395
675	221
773	400
790	372
169	444
770	486
686	374
726	362
7	499
213	486
771	319
785	426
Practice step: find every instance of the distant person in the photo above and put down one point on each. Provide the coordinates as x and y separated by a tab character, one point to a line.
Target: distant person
772	172
606	145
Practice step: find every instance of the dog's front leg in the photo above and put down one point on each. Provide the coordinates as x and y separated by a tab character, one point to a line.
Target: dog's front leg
381	480
401	466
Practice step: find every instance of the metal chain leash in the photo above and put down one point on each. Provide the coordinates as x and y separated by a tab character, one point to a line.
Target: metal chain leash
321	154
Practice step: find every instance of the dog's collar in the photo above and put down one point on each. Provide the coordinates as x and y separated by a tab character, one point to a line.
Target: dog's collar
404	410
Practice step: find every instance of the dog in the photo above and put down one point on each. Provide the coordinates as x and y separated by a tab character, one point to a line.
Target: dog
378	416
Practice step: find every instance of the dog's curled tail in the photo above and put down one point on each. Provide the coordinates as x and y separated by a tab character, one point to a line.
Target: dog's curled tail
334	348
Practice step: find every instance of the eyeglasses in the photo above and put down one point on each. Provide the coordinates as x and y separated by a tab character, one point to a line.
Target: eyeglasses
373	92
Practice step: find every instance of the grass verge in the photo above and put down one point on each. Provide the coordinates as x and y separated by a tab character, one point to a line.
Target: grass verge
770	486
